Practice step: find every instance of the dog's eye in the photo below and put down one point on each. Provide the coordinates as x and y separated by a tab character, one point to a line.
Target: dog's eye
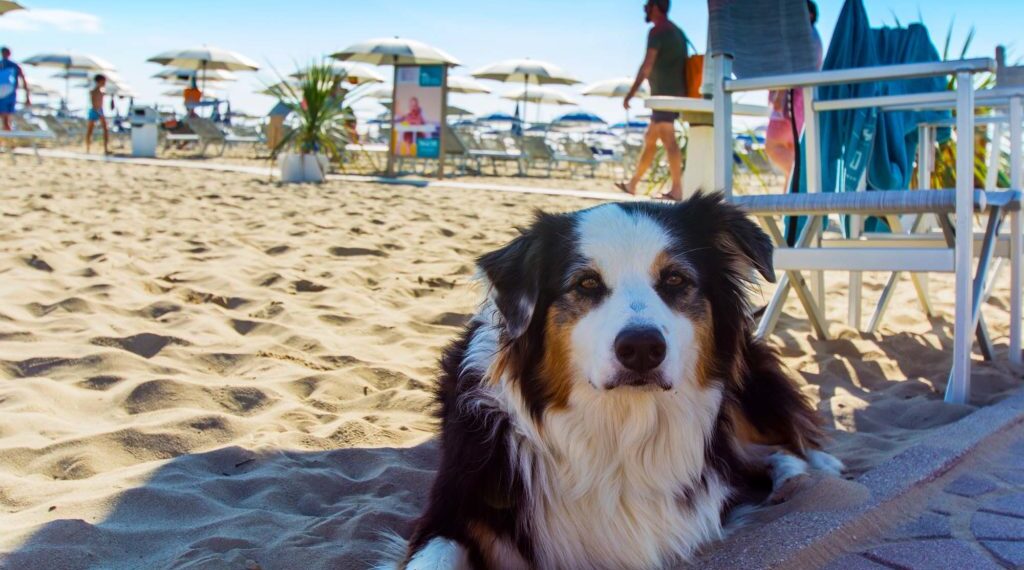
673	280
589	285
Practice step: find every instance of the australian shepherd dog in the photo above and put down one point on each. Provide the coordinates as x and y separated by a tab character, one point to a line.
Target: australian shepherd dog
608	405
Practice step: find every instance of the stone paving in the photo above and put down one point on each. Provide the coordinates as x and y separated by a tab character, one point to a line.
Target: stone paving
973	522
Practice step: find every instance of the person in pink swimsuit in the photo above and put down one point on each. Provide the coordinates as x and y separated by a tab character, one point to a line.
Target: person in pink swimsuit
779	144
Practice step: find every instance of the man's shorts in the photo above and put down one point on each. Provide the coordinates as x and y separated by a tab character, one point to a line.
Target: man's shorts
664	116
7	106
95	115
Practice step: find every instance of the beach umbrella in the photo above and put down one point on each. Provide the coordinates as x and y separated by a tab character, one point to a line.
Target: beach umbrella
616	88
69	61
539	95
395	51
497	118
526	71
176	75
354	73
466	85
579	119
382	92
205	59
8	6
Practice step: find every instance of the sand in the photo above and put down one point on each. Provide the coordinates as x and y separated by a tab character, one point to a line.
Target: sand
211	370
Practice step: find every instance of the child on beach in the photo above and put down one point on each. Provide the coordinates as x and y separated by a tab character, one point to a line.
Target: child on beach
96	114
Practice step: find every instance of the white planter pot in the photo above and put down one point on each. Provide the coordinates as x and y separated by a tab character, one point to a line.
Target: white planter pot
299	168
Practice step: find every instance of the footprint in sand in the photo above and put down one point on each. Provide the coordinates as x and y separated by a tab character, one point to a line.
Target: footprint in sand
355	252
37	263
306	286
146	345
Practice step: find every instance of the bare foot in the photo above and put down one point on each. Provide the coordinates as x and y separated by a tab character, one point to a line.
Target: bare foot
624	186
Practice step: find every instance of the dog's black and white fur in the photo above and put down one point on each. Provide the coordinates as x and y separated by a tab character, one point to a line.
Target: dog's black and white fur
607	405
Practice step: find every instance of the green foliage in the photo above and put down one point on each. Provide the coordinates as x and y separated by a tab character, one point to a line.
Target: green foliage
318	103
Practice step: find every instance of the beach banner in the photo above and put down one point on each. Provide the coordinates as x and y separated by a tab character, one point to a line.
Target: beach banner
418	111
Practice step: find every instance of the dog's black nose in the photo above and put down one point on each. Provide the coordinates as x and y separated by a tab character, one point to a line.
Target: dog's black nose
640	349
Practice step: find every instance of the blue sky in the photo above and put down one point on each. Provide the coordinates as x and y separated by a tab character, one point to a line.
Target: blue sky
592	39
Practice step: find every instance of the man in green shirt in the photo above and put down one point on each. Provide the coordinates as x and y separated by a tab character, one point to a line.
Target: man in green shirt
665	67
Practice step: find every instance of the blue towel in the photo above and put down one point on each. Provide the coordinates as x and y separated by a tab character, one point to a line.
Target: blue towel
884	144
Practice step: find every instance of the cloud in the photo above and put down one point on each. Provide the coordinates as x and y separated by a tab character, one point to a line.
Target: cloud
41	20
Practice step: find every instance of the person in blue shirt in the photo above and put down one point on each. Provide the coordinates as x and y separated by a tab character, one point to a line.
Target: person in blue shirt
10	73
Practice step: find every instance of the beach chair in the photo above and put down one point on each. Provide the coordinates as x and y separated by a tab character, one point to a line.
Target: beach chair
1004	105
63	133
537	152
25	131
209	133
957	206
578	154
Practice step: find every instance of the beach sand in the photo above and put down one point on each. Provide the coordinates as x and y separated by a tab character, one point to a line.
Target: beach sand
211	370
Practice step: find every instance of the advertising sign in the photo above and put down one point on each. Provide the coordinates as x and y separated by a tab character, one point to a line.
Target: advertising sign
418	111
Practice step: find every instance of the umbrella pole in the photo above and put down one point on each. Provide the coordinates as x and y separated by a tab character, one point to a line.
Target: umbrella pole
67	86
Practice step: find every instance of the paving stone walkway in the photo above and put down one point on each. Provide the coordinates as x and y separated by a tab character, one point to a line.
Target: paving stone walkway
975	522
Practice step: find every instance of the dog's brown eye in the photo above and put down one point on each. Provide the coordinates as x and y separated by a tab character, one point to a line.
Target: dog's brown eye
589	284
673	280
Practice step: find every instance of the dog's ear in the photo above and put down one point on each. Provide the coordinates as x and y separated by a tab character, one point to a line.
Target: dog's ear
737	236
513	273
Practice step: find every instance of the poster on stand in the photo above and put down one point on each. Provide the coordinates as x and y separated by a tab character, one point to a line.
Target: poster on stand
418	111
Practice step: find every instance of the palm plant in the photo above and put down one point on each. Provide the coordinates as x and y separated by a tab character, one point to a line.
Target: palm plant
318	102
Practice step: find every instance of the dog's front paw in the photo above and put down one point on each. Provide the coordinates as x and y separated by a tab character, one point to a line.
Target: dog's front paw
826	463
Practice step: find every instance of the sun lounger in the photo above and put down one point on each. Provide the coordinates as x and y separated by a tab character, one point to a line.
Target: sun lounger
207	133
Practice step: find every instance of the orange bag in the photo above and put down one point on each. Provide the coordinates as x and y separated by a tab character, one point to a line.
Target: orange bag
694	75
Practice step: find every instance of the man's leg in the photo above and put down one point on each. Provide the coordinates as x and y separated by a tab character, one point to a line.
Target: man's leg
646	157
667	134
88	135
106	135
6	120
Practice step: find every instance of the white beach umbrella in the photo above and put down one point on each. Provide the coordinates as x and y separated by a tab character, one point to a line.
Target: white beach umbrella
8	6
527	72
354	73
395	51
538	94
467	85
616	88
204	59
185	75
69	61
383	91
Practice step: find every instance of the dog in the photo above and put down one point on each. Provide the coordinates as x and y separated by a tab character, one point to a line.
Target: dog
608	404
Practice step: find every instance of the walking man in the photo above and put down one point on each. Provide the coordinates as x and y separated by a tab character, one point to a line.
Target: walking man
10	73
665	67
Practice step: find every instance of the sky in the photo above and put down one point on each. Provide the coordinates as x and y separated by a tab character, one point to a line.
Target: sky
591	39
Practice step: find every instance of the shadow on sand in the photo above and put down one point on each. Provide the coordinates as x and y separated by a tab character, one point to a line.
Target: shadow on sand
237	509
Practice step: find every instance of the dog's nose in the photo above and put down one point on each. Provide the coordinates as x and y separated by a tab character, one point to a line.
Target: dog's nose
640	349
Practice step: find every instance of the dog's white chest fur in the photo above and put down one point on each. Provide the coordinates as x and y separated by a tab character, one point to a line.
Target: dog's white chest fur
617	479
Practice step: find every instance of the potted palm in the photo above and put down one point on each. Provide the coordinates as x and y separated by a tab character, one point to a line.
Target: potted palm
319	134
